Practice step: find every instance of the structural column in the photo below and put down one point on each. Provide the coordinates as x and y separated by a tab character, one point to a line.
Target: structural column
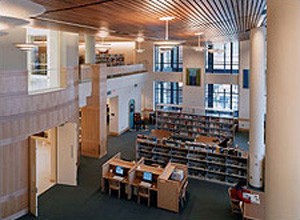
90	56
257	107
283	111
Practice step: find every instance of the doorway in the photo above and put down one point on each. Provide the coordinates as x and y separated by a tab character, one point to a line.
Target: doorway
53	160
113	104
45	159
131	113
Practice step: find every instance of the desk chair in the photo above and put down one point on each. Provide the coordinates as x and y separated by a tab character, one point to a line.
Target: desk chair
145	193
114	185
235	204
138	122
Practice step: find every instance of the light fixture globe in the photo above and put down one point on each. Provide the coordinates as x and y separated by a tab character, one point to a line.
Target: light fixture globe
139	39
10	22
20	8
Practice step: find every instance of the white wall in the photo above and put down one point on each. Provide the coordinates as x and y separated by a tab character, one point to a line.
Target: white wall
124	87
126	48
214	78
244	93
12	58
193	95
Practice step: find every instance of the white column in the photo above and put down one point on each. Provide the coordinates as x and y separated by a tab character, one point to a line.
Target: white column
283	111
257	107
90	56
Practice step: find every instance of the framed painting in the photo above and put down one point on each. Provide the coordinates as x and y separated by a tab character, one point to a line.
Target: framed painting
193	76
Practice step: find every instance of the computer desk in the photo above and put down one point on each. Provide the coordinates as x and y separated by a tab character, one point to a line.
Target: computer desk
108	170
255	211
170	191
136	175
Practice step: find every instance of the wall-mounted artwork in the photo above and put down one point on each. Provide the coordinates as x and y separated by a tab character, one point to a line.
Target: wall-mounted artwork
193	76
246	78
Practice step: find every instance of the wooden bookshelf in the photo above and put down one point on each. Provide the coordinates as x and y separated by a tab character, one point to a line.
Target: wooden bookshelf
190	122
110	59
205	161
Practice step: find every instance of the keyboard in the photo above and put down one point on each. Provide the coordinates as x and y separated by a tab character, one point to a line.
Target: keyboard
118	178
145	184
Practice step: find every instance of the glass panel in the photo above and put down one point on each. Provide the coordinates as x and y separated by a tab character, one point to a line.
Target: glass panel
168	61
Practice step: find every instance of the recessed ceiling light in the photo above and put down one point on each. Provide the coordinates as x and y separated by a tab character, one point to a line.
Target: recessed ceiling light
166	18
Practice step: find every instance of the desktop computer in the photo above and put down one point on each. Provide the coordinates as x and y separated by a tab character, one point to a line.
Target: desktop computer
119	171
147	176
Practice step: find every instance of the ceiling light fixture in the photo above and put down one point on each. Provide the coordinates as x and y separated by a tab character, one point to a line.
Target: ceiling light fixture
199	48
139	39
20	8
25	47
167	45
103	47
10	22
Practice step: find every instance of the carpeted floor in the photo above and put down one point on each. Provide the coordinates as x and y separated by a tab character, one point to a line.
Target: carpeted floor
206	200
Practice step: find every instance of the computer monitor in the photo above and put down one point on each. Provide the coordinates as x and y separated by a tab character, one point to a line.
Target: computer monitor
147	176
119	170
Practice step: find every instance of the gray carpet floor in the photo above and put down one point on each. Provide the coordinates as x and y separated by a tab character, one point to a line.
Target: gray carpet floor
206	200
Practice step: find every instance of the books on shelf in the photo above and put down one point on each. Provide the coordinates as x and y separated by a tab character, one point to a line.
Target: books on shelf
191	124
203	160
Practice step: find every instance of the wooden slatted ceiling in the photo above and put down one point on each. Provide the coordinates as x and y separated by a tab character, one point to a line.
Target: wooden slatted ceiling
220	19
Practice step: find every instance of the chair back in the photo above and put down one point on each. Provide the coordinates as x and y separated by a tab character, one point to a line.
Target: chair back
235	203
114	184
144	191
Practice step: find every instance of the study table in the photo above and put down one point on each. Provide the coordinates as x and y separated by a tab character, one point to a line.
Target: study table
160	134
109	171
160	184
207	139
141	168
255	211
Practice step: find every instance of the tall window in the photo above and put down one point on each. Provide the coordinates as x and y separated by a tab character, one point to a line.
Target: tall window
169	60
222	96
43	60
168	93
224	60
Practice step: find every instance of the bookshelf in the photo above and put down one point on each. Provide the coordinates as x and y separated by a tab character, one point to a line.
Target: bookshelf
110	59
190	121
205	162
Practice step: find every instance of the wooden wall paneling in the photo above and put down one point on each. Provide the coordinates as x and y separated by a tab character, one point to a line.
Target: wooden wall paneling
93	119
22	115
13	178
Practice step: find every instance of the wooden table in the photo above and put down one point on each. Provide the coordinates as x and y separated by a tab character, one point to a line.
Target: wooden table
255	211
160	134
207	139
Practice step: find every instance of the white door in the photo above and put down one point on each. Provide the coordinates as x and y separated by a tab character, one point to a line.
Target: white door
67	145
33	200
